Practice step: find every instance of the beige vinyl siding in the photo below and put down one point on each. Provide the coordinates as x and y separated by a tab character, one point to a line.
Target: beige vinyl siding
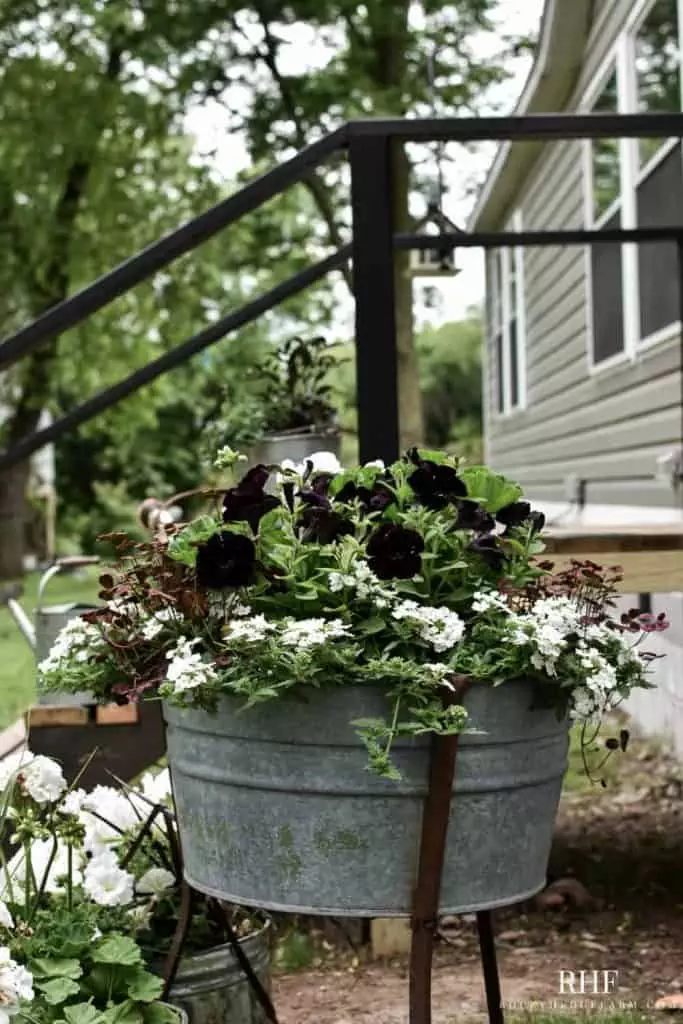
607	427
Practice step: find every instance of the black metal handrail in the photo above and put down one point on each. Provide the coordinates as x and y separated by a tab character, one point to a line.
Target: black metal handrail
372	251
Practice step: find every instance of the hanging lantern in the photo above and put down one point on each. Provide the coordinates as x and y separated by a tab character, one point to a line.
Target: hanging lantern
438	261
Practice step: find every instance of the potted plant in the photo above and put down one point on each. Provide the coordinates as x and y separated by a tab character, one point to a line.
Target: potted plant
311	634
288	413
68	952
136	826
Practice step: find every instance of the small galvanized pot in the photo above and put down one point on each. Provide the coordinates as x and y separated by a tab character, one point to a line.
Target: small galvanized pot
211	988
276	807
297	446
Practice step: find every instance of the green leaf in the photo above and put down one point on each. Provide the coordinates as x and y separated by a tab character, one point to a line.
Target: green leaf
57	990
183	547
491	489
160	1013
82	1013
127	1012
119	950
55	968
144	987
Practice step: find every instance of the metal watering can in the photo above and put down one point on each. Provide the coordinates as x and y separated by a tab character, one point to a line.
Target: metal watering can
48	620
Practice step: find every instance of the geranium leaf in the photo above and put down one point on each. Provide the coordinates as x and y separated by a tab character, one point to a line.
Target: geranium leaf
44	968
57	990
145	987
160	1013
119	950
123	1013
82	1013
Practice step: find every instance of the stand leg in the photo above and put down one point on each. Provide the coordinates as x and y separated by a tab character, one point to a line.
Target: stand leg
489	964
178	943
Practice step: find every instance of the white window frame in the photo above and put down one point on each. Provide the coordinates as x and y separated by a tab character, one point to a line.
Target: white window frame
505	259
621	58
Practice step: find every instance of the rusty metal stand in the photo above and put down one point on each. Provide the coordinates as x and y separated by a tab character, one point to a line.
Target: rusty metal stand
435	819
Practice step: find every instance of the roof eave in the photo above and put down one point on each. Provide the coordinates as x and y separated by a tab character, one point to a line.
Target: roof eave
564	31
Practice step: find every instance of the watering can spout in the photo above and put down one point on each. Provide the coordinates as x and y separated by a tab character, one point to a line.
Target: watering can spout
9	596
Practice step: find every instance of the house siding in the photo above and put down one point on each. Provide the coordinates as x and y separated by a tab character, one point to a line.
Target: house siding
606	427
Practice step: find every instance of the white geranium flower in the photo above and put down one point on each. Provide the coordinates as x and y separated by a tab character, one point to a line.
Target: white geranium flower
16	983
156	881
106	883
73	801
5	917
49	869
43	780
106	813
141	916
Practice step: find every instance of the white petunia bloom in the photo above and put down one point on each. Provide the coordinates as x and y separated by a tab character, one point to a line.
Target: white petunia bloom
106	883
187	668
43	779
323	462
157	788
307	633
6	920
375	464
156	881
440	627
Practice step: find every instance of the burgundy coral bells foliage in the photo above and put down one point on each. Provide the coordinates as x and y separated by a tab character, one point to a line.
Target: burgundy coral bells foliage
248	501
226	560
394	552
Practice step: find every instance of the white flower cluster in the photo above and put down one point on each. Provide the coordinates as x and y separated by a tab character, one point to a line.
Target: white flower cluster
440	627
16	986
37	776
77	641
323	462
155	623
106	883
302	634
187	668
546	627
363	581
490	600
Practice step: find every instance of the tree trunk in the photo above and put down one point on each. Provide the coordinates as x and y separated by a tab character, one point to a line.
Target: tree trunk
411	421
14	510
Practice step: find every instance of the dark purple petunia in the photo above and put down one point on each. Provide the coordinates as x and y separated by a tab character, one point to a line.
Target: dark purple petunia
515	514
248	501
395	552
537	520
373	499
320	521
489	550
435	485
473	516
226	560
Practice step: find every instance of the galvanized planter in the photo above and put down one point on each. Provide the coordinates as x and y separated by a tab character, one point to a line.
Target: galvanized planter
277	809
211	988
296	446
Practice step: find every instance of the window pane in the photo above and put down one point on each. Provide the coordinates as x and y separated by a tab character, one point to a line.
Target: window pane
660	204
658	67
607	288
514	364
499	372
606	181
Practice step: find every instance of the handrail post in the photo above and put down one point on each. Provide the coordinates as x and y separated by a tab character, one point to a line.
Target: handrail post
374	291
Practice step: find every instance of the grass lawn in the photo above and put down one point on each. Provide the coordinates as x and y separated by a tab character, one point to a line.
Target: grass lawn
17	663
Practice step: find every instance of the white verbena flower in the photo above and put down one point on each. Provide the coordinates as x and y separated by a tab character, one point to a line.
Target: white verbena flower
106	883
490	600
155	623
156	881
78	640
440	627
5	917
187	668
252	628
307	633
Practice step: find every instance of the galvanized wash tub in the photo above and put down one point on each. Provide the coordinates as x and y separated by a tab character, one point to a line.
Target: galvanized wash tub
211	987
296	445
277	809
